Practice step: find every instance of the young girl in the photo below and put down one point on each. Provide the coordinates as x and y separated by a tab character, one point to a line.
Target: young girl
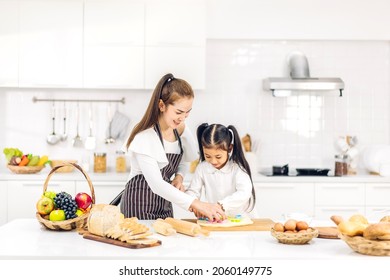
158	146
223	174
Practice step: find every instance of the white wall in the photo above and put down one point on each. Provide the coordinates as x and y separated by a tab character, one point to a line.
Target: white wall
299	130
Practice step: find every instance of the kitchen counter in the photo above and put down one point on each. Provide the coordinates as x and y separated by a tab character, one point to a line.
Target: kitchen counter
27	239
361	177
7	175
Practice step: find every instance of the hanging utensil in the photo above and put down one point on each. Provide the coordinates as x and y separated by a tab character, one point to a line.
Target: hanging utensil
64	136
53	138
90	141
77	141
109	139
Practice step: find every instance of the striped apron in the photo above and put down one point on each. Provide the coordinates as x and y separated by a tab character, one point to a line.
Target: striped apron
140	201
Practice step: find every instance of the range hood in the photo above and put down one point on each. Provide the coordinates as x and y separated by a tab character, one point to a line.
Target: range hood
300	79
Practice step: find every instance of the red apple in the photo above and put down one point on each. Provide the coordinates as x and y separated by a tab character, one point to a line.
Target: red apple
45	205
83	200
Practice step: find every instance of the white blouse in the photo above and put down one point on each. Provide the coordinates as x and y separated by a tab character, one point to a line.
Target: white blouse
230	186
148	157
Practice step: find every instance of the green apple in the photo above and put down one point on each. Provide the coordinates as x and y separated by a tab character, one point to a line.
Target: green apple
45	205
49	194
79	212
57	215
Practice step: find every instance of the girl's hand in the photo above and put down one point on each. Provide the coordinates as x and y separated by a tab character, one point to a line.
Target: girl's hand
212	211
177	182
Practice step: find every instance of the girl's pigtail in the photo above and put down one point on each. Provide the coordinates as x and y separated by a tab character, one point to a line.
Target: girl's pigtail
238	156
199	133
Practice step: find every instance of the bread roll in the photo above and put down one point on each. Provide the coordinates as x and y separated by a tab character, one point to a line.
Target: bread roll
379	231
358	219
103	217
385	219
351	228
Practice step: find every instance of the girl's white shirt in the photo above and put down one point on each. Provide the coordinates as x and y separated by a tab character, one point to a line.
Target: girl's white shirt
147	156
230	186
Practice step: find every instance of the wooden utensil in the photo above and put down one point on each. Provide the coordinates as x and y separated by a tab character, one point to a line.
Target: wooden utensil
188	228
134	244
247	143
330	232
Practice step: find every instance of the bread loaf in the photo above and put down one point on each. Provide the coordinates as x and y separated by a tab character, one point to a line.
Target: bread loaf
351	228
380	231
103	217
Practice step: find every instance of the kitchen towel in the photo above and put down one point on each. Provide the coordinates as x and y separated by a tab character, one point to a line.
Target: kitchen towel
119	126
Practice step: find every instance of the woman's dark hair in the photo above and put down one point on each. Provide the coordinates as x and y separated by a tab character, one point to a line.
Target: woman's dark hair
218	136
169	89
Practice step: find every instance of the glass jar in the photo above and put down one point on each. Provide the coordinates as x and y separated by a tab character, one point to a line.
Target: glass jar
100	163
341	165
120	163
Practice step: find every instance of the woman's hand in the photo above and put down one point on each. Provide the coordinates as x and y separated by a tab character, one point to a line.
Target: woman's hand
212	211
177	182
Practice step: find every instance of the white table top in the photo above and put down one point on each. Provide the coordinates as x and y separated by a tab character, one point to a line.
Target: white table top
27	239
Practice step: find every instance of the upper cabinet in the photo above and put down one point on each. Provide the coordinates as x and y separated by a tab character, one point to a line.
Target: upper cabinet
114	44
127	44
50	47
175	41
175	22
9	15
298	20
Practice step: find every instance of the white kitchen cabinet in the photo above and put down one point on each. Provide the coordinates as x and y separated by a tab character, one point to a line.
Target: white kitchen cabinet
298	20
114	44
23	195
175	22
344	199
3	202
175	41
187	63
50	46
105	192
377	200
275	199
9	16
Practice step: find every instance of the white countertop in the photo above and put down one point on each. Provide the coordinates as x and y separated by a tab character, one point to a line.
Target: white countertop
112	176
27	239
6	175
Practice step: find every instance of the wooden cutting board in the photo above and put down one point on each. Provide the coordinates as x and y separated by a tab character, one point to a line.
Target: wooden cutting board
258	225
328	232
111	241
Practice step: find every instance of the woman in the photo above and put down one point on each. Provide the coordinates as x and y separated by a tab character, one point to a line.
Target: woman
158	146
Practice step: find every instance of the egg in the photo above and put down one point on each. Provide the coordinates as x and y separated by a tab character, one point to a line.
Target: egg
290	224
279	227
301	225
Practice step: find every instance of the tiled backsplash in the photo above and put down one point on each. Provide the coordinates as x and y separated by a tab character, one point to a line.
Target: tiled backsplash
299	130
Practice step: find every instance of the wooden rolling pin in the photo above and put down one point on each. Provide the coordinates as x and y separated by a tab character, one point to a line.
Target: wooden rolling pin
187	228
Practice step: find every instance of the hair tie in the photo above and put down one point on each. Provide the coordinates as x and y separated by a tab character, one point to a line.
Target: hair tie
231	131
170	79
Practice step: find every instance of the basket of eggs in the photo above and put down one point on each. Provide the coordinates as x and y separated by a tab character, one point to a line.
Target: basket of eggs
365	238
60	211
293	232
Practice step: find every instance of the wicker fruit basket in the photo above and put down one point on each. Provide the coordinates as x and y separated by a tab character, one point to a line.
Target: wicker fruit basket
79	222
366	246
298	238
25	169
